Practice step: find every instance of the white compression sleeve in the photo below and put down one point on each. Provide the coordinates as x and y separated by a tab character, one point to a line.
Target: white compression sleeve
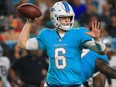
32	44
95	46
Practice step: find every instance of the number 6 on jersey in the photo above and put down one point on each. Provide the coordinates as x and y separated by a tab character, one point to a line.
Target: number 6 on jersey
60	61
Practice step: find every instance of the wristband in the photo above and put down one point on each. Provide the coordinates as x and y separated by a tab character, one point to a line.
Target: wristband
101	46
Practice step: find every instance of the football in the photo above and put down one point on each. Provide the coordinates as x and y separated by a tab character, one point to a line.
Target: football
29	10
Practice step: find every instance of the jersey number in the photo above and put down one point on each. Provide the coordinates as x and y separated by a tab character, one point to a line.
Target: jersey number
3	70
60	61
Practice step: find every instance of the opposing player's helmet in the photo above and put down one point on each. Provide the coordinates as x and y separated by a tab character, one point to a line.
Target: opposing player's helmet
108	42
61	9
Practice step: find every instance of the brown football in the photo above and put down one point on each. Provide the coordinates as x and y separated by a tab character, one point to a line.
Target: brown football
29	10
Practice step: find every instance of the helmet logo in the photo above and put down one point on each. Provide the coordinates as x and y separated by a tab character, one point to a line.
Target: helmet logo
52	9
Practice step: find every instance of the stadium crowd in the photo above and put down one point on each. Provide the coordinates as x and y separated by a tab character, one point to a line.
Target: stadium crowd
28	68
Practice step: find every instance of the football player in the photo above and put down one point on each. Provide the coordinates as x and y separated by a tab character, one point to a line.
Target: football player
63	44
90	64
93	64
4	67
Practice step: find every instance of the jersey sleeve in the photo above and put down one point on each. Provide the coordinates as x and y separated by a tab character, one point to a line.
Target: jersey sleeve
85	37
103	57
95	56
40	39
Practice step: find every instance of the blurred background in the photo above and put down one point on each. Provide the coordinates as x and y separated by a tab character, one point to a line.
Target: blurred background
11	24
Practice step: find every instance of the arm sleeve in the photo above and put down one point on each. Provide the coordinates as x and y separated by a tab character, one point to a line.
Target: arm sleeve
92	46
36	42
105	69
85	38
32	44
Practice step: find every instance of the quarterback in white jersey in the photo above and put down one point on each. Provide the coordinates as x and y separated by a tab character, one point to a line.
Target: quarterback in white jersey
4	67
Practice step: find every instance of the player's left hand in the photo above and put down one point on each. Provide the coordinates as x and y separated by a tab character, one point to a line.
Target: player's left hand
96	30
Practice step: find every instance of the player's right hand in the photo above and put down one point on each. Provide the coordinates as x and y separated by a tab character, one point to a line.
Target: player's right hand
30	20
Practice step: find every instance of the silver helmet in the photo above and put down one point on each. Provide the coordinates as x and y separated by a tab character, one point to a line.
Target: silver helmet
61	9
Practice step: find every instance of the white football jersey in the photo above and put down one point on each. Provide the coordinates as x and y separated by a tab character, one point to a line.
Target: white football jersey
4	67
